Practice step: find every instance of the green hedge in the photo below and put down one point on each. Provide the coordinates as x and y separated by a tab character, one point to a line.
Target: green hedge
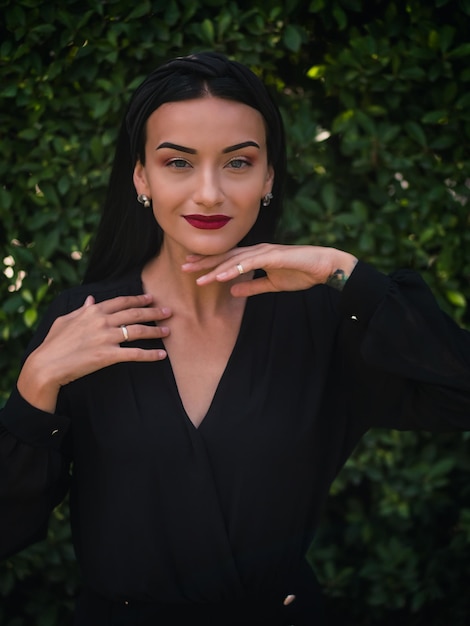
377	108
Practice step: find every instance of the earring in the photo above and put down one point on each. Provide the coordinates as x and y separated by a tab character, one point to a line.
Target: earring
267	199
143	199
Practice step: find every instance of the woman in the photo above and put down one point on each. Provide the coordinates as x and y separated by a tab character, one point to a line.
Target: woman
205	426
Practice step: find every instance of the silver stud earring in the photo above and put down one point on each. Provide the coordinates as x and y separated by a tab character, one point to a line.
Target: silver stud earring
143	199
267	199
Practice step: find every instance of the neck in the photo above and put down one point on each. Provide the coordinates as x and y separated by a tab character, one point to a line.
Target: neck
162	276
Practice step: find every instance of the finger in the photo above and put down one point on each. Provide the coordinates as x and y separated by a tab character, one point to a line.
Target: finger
229	270
121	303
254	287
139	354
126	333
198	262
139	315
243	261
89	300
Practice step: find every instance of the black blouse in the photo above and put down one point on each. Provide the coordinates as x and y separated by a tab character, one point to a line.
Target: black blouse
164	511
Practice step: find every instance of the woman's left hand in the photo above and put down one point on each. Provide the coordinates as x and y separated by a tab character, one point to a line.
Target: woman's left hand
287	267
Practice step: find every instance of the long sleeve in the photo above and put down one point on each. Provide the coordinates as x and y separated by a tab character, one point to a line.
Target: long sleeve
34	463
408	363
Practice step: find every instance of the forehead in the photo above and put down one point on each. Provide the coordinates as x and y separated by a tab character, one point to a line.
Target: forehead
208	117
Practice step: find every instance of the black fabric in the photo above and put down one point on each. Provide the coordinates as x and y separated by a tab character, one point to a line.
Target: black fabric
163	512
307	609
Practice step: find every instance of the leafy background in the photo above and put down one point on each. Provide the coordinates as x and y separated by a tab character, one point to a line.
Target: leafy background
377	108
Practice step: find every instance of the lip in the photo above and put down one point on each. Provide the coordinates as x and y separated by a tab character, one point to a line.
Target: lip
207	222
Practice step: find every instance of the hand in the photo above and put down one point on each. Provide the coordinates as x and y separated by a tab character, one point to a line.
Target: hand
87	340
287	267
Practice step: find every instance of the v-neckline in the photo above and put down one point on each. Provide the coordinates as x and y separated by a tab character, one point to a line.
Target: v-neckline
171	374
222	380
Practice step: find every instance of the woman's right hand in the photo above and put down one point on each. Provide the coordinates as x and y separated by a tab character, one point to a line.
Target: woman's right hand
87	340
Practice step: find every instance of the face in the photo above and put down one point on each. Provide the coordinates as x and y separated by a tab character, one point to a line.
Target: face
206	171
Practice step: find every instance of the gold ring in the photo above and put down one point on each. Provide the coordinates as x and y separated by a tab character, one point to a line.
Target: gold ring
124	332
240	269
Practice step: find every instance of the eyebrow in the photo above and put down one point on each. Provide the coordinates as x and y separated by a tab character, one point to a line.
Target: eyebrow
237	146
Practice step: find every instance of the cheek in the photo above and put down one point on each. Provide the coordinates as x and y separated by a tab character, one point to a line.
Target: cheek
167	194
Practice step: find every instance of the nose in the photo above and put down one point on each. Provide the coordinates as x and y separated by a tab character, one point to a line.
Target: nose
208	191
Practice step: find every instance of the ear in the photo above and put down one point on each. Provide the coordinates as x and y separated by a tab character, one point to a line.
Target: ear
140	179
268	185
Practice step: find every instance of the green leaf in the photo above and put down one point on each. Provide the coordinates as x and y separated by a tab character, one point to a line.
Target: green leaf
63	185
292	38
328	196
443	142
142	8
316	72
340	16
416	132
29	134
446	37
207	31
435	117
460	51
5	200
172	13
9	91
316	6
456	298
30	316
223	23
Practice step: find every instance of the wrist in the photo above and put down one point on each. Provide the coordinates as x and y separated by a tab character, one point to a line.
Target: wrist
341	268
37	385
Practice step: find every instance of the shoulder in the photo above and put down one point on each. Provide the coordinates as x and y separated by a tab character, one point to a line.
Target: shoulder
128	284
73	298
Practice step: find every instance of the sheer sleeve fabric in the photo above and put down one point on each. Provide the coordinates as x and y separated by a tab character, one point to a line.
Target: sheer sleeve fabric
34	462
406	362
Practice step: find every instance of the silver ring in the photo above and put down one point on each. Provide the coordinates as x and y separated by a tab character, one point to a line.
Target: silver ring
124	332
240	269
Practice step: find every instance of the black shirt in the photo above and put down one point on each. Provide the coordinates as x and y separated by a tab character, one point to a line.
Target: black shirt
164	511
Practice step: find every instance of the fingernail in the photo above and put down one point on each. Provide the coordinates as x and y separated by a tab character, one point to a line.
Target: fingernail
288	599
165	310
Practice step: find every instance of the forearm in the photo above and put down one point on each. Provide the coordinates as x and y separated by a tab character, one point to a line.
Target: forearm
34	471
408	360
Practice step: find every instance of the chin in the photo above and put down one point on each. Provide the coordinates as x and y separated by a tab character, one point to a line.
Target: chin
213	248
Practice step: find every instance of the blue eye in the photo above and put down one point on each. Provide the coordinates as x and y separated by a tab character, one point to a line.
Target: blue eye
178	163
238	164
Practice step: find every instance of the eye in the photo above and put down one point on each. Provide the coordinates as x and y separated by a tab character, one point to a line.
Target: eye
238	164
178	164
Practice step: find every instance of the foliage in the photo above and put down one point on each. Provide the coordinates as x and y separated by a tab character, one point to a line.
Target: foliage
377	109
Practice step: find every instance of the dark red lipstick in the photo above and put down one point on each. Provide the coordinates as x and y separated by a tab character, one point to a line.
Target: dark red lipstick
207	222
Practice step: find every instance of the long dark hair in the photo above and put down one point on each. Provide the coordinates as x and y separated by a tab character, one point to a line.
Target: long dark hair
128	234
